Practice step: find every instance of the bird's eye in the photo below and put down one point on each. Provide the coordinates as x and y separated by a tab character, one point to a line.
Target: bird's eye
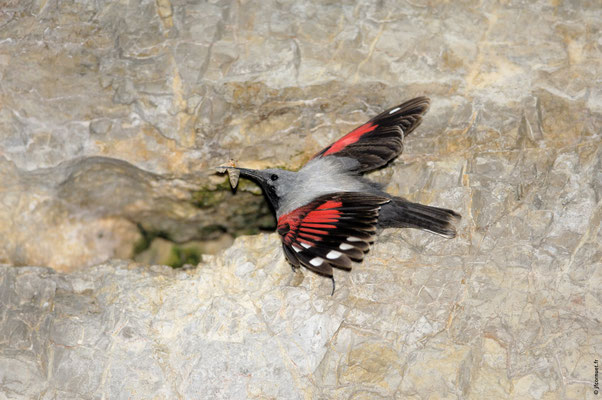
274	177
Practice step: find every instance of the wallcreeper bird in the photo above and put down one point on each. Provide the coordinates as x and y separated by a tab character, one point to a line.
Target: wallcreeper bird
328	213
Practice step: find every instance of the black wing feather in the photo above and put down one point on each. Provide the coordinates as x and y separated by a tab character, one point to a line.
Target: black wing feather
331	231
379	140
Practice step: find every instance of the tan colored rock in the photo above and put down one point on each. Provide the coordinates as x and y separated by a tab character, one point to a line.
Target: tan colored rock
175	90
423	324
113	116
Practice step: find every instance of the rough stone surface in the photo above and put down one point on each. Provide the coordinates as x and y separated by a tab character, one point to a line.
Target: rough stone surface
112	113
131	103
422	316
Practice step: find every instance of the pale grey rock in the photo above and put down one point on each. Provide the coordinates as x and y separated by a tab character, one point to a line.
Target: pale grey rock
176	88
114	114
421	316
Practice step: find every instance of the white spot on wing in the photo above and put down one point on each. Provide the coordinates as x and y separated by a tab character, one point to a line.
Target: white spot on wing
354	239
333	255
345	246
393	111
307	246
296	248
316	261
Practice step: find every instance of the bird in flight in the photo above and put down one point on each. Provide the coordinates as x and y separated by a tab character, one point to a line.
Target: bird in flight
329	213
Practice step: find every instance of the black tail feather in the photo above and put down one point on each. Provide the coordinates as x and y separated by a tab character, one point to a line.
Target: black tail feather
400	213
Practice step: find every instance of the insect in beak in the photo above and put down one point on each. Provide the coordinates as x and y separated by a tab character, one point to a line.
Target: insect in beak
233	174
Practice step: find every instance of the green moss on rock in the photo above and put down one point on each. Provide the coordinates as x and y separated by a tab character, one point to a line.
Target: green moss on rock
181	256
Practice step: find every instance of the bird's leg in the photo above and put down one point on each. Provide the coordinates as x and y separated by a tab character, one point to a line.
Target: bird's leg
333	285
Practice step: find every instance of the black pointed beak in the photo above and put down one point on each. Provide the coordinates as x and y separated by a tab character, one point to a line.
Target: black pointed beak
260	178
251	174
247	173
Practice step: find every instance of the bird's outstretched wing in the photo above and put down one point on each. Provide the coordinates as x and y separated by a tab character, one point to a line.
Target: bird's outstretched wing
330	231
379	140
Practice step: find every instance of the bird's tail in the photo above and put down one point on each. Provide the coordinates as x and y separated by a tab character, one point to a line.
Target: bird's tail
400	213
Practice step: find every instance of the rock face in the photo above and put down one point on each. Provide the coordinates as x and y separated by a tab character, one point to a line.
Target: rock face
112	115
422	316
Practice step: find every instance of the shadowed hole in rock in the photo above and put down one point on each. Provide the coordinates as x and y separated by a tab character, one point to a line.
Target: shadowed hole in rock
233	214
92	209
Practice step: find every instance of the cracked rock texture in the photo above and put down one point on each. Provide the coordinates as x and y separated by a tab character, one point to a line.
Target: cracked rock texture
422	316
113	113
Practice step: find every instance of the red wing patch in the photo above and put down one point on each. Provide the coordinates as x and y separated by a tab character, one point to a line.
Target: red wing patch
330	231
379	140
350	138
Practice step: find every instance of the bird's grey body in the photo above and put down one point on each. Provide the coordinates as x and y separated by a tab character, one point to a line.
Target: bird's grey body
321	176
318	177
328	212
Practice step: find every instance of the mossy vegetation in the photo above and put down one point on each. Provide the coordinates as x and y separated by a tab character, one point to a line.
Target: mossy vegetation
146	239
243	211
207	197
164	252
180	256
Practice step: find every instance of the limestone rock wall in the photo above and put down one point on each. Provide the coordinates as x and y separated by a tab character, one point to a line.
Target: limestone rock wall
112	115
135	102
422	316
